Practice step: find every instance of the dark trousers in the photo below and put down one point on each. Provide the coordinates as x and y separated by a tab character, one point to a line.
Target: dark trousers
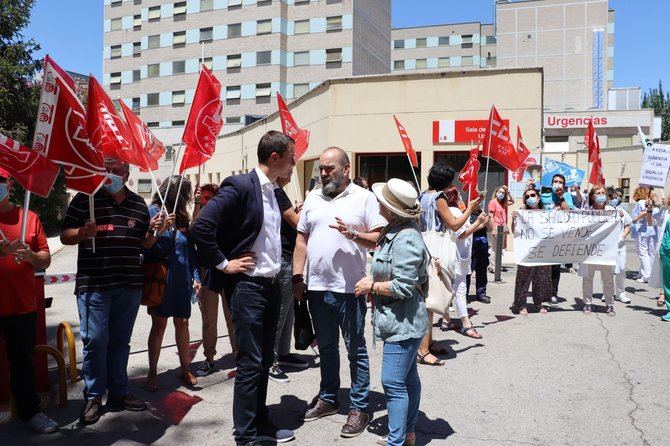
18	332
555	279
479	265
539	276
255	311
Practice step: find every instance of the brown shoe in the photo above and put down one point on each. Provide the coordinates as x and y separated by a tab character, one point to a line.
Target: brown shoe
128	402
92	411
356	423
320	409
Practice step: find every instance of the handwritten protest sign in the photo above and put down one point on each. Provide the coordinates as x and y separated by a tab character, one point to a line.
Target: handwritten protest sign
557	237
655	165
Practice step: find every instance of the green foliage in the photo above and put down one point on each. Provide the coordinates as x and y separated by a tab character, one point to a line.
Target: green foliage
659	100
19	98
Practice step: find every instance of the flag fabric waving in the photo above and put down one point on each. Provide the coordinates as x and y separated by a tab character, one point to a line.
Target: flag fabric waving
522	151
468	176
596	175
34	172
414	160
145	141
497	142
290	128
591	142
204	121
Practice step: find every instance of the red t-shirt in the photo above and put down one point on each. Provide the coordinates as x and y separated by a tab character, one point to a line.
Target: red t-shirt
499	212
17	281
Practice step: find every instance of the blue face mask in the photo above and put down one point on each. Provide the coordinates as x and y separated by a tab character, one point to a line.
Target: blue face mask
500	195
4	191
600	199
614	202
116	184
546	199
531	202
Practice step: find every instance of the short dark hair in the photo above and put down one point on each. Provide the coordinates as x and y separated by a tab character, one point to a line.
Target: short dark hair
358	181
440	176
210	187
272	142
559	176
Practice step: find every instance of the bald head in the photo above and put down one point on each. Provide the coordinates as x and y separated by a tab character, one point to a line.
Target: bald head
334	167
335	155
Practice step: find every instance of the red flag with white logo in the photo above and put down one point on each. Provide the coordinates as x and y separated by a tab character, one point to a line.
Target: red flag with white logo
146	142
596	175
407	143
522	151
204	121
108	133
34	172
497	142
468	176
290	128
591	142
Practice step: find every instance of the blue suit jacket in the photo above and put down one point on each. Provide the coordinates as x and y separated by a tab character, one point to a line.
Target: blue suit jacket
229	224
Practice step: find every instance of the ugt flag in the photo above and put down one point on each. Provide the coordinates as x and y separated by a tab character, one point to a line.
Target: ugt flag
34	172
204	121
146	142
497	142
413	159
290	128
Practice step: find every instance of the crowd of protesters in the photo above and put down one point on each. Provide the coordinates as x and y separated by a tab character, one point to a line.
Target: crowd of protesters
248	245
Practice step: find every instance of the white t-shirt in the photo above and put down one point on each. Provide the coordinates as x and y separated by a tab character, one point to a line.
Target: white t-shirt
335	263
463	246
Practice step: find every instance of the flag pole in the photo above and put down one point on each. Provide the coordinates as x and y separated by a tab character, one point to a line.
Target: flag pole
2	234
158	187
176	198
167	188
488	158
91	213
411	167
24	220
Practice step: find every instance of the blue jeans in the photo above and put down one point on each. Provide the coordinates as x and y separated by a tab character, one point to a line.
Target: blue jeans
402	386
332	312
106	325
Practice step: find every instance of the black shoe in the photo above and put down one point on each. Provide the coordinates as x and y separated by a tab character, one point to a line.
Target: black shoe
292	360
484	299
92	411
278	375
205	368
128	402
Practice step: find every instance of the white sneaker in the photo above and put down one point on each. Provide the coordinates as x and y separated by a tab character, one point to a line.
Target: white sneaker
622	298
642	280
42	424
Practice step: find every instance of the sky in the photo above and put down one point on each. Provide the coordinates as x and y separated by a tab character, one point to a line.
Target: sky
72	35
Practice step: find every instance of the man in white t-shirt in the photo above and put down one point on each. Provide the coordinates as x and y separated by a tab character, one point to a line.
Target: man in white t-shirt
335	225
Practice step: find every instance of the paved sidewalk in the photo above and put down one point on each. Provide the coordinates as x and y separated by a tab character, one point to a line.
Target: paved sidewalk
562	378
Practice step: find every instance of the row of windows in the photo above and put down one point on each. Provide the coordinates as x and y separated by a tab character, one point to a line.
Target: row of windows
465	40
208	5
442	62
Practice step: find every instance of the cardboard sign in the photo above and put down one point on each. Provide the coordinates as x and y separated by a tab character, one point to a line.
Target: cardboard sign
655	165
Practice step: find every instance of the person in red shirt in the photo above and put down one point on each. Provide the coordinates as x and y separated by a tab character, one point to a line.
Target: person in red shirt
18	317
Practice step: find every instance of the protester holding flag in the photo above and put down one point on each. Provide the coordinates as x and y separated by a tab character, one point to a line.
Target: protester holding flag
109	284
18	311
500	200
183	280
539	276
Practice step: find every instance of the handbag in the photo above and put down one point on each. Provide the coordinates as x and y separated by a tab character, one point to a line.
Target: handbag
303	333
155	277
440	244
440	293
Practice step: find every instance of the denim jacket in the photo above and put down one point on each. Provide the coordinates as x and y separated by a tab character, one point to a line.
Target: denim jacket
403	259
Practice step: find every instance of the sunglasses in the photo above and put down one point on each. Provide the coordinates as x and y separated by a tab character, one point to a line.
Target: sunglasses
530	196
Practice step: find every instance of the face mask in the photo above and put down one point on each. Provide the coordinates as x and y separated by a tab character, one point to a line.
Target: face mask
556	186
614	202
600	199
500	195
546	199
531	202
4	191
116	184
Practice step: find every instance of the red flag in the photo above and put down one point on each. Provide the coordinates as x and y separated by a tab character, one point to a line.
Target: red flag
204	121
497	142
591	142
290	128
67	143
145	141
407	143
522	151
108	133
474	152
468	176
596	175
518	174
34	172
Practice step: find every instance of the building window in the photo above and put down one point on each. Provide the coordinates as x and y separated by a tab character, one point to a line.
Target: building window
421	42
153	125
235	30
301	58
115	78
263	90
264	2
144	186
619	141
233	119
137	22
152	100
206	5
466	41
264	27
490	40
233	92
399	43
300	89
178	98
179	38
179	9
301	27
443	62
443	40
421	64
116	24
398	64
208	62
301	2
115	51
137	75
466	61
379	168
234	4
137	49
169	151
116	3
135	104
179	123
334	23
234	61
206	34
137	2
178	67
333	57
154	41
153	70
154	13
333	2
263	57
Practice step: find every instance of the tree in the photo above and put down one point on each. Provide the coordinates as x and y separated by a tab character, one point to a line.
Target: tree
660	102
19	98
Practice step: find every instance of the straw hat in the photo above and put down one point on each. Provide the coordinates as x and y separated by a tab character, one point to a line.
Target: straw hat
399	197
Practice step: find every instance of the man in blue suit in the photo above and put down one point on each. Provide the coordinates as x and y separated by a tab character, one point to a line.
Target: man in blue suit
238	236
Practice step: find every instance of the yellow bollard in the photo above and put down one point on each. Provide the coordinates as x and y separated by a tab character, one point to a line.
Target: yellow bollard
62	373
65	327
